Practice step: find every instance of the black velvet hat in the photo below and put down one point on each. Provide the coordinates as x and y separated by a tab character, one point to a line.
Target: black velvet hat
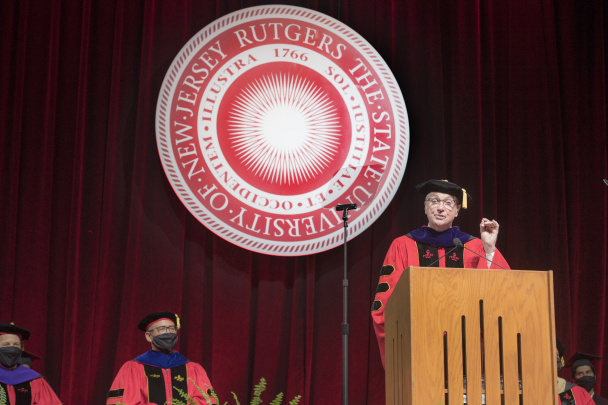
27	358
581	359
446	187
148	320
10	329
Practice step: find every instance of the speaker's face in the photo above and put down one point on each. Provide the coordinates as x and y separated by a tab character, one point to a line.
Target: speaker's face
441	209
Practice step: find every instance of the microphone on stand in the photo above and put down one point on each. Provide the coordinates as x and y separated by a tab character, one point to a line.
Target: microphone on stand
458	242
447	253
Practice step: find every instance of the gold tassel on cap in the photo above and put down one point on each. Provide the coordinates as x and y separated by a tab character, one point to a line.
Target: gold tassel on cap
464	198
563	362
178	321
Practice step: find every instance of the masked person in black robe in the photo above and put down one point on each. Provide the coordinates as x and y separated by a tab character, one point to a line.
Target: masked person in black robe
583	374
21	385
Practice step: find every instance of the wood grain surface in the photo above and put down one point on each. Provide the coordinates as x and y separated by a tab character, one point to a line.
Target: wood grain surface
430	301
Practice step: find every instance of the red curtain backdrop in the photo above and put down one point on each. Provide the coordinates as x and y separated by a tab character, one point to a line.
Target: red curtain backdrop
506	98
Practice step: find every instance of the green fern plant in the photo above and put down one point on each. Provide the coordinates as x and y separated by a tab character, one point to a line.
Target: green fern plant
257	391
3	400
256	400
278	399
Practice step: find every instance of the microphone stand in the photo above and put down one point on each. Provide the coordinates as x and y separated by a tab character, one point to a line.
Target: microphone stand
344	208
458	242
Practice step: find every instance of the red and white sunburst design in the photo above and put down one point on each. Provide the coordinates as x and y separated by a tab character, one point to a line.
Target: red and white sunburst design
285	128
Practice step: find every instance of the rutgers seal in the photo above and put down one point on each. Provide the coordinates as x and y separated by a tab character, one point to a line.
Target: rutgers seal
271	116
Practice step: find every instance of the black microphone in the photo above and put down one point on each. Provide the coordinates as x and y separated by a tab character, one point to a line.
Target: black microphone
447	253
458	242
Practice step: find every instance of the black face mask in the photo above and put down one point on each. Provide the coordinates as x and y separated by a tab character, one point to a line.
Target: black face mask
9	356
587	382
166	342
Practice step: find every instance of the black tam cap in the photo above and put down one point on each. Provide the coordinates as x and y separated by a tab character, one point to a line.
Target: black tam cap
10	329
579	363
446	187
148	320
581	359
30	355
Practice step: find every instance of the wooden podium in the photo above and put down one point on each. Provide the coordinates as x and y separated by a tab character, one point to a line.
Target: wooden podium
498	326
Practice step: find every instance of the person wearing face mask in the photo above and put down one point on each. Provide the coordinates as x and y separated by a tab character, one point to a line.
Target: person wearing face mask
583	374
423	247
21	385
153	377
569	394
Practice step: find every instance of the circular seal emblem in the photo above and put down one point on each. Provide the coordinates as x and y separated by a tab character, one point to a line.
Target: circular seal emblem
271	116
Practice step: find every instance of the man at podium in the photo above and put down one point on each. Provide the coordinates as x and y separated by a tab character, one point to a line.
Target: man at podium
427	246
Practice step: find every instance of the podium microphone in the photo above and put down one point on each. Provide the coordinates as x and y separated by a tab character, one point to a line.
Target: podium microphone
447	253
458	242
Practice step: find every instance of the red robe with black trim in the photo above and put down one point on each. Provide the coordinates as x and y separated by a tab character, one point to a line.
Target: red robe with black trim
576	396
34	392
404	253
140	384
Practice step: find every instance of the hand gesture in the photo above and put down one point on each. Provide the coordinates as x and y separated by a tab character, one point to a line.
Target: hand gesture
489	233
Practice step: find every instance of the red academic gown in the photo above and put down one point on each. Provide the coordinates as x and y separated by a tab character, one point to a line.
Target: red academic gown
142	384
576	396
34	392
404	253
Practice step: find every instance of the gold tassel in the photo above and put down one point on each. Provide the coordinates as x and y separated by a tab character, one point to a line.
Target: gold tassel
464	198
563	362
178	322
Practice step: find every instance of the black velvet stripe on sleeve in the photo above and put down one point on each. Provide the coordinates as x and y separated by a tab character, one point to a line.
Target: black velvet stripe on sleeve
179	380
156	384
382	287
116	393
376	305
23	393
387	270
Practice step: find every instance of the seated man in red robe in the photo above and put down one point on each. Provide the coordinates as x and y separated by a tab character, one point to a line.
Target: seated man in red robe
155	376
426	246
22	385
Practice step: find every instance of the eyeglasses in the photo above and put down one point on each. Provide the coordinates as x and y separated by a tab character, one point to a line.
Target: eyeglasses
164	329
448	203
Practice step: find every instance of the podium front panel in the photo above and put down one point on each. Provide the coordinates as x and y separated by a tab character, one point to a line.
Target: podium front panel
456	332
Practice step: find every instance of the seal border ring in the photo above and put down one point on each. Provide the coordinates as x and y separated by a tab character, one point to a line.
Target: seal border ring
285	248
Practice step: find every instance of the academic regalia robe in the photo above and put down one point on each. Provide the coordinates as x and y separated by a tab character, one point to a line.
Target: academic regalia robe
576	396
153	377
597	400
421	248
24	386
